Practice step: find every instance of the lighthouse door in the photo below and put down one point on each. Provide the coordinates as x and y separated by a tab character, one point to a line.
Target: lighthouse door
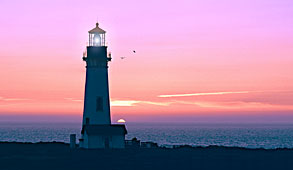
107	143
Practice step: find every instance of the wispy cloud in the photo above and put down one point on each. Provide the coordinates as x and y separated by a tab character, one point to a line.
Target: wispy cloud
226	105
123	102
74	100
157	103
203	94
5	101
13	99
136	102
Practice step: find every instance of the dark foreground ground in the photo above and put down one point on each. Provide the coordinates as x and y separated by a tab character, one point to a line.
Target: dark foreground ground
55	156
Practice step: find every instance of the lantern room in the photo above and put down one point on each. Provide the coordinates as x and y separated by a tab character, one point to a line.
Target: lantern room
97	36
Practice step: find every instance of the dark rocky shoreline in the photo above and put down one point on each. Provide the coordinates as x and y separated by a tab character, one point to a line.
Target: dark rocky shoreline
56	155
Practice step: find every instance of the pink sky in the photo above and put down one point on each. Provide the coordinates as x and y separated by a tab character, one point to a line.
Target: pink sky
211	58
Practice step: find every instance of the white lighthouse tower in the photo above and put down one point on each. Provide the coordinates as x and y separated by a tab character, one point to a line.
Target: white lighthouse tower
97	130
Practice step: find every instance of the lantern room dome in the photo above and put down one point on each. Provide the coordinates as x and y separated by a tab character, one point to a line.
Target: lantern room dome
97	36
97	30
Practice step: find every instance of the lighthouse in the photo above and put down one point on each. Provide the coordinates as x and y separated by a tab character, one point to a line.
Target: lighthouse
97	130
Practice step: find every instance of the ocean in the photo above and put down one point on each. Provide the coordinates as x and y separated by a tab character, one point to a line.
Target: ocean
248	135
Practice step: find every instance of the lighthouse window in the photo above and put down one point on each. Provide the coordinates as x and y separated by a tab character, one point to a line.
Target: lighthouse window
99	104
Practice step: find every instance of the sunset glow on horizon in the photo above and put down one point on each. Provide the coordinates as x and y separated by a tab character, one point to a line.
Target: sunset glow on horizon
193	58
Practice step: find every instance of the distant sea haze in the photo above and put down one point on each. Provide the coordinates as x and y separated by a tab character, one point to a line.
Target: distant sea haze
248	135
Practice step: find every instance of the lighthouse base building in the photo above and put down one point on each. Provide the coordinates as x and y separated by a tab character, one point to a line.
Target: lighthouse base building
97	130
103	136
